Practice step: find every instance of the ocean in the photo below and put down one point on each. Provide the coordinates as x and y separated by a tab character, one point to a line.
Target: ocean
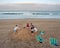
29	14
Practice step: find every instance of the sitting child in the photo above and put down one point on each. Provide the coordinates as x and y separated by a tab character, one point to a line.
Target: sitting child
27	25
15	28
33	29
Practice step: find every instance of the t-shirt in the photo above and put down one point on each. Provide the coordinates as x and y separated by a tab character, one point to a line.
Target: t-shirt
35	29
15	28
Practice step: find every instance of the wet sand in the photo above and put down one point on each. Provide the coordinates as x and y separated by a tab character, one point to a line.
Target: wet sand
50	26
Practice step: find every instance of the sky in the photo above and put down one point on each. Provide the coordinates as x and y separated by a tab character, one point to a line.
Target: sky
31	1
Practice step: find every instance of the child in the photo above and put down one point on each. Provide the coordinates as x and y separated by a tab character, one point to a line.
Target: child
33	29
27	25
32	26
15	28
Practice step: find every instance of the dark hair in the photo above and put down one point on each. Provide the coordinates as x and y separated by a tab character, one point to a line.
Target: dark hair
32	27
16	25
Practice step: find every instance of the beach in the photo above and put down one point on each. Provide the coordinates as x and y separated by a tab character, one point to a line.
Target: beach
50	26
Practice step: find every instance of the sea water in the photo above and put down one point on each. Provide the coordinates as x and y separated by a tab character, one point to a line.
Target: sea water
29	14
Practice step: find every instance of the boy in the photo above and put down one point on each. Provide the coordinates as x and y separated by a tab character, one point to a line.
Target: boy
15	28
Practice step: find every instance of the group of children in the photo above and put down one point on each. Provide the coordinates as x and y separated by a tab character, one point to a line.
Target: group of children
31	26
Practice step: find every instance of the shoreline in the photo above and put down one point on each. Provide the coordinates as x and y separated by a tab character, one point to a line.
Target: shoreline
33	19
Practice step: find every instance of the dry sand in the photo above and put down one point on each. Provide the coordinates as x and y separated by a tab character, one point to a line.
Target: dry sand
50	26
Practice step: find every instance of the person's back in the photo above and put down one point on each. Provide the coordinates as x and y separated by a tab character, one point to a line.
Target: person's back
27	25
35	30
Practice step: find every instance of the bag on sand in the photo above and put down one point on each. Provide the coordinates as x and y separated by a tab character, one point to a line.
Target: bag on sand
53	41
39	39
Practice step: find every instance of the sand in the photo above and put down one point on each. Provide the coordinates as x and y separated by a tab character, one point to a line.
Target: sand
50	26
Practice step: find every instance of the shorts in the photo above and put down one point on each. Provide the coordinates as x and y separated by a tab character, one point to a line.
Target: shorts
14	30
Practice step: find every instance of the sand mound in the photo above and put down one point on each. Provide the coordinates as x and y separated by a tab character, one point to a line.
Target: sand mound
23	34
